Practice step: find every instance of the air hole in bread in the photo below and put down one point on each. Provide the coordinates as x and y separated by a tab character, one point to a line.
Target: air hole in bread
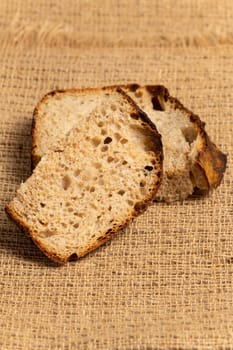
158	105
130	202
76	225
149	167
110	159
133	87
42	223
169	175
77	213
97	165
42	205
77	172
142	183
107	140
110	208
139	206
134	116
73	257
104	148
121	192
48	233
124	162
123	141
64	167
59	150
92	189
103	132
190	134
117	136
100	124
138	93
94	206
113	107
96	141
66	182
108	232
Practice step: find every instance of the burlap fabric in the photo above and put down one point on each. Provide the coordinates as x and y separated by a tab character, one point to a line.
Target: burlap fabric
166	282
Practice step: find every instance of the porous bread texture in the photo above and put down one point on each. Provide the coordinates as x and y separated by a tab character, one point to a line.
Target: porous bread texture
93	181
191	160
57	113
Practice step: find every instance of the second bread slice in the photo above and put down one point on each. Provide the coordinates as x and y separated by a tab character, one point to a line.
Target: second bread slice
191	159
93	181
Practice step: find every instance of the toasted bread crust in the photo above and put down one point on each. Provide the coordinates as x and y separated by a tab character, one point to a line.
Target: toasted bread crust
23	225
138	209
211	161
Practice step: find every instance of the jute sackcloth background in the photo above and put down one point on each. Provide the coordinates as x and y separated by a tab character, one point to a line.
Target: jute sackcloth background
167	281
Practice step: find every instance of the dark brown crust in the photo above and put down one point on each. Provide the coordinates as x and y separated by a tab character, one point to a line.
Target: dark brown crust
15	217
138	210
139	207
34	157
210	162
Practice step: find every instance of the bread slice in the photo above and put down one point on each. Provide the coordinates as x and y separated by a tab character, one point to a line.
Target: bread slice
191	160
92	181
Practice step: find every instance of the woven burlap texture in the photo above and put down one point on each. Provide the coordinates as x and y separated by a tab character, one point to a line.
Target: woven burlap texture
166	282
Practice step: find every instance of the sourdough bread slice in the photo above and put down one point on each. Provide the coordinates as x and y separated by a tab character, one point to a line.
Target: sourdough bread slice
94	180
191	160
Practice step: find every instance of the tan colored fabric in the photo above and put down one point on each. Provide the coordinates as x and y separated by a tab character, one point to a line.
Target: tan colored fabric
167	281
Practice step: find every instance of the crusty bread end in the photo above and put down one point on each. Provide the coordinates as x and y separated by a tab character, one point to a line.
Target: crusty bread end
183	135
